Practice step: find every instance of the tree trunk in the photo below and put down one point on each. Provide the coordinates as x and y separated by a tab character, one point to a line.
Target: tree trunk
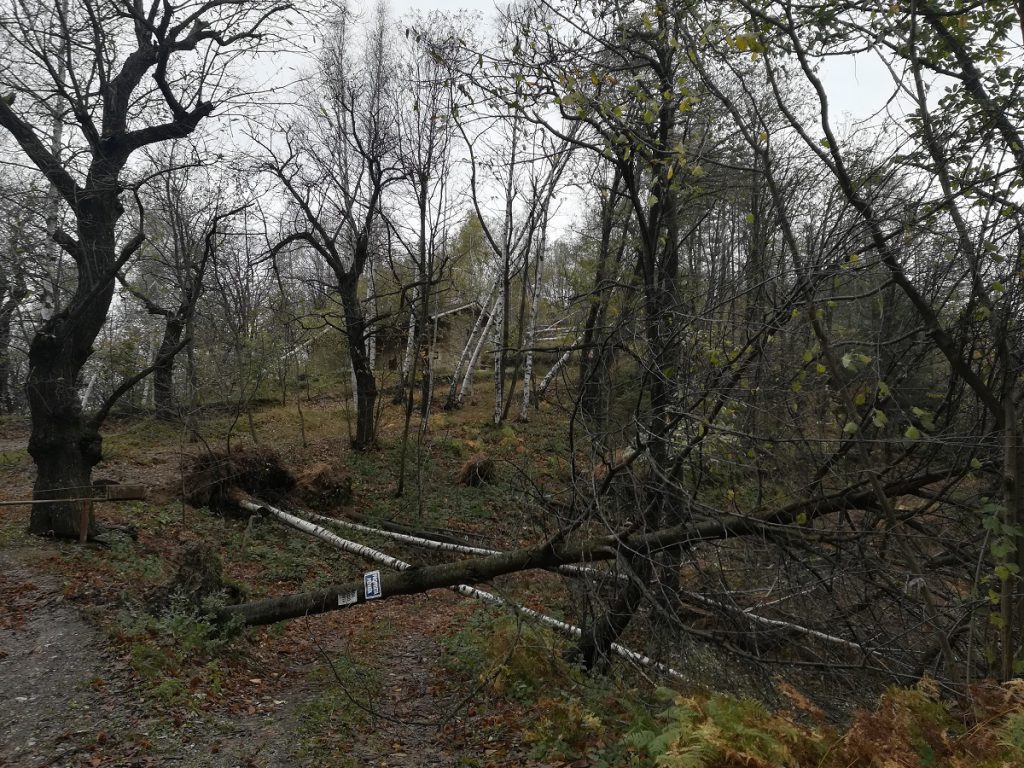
531	331
12	291
595	645
164	402
596	355
499	360
407	358
366	384
467	381
560	363
6	397
451	402
63	444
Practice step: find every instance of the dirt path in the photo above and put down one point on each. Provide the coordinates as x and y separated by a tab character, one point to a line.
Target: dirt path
69	698
411	707
56	698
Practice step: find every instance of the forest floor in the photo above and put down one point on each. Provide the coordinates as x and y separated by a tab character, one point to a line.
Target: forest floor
89	677
99	668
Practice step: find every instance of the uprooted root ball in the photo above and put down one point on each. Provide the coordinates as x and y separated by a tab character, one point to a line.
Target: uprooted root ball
325	486
479	470
216	479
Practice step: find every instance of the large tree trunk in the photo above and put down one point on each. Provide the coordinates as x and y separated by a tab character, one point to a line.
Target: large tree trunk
64	445
366	384
597	351
164	401
594	649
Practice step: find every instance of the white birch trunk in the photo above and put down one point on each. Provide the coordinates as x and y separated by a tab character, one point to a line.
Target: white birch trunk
430	370
499	364
467	382
55	256
410	344
371	341
531	331
559	365
445	546
451	401
87	395
303	345
463	589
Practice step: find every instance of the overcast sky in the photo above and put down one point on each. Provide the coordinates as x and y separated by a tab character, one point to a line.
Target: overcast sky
858	87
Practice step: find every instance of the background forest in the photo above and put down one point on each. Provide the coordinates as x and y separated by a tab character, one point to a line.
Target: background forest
598	303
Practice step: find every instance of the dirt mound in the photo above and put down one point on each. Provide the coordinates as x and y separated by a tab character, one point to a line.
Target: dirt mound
200	577
215	479
325	486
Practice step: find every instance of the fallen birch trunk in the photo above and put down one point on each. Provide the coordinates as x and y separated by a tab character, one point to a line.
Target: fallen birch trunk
749	615
357	594
444	546
560	363
418	580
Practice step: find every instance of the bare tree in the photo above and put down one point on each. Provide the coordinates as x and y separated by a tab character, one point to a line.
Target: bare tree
169	279
334	168
137	75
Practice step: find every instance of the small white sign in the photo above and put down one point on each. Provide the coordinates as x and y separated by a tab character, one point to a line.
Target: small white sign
371	585
348	598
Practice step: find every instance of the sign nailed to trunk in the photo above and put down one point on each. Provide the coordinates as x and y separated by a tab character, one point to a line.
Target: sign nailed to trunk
371	585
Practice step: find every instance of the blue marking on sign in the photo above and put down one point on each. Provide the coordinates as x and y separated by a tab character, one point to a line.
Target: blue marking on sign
371	585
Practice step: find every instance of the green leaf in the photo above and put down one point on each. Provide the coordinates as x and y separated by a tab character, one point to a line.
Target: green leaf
878	418
975	464
801	519
1002	547
912	433
1006	570
850	428
808	355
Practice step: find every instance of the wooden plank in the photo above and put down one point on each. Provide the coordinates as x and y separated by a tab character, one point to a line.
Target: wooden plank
126	492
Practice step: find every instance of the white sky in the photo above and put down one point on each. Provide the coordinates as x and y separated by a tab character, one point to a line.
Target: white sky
858	87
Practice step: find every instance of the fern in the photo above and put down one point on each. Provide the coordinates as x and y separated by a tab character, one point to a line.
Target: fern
1011	736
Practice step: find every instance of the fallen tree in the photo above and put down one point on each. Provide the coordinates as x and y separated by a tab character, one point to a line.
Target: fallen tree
553	554
346	598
